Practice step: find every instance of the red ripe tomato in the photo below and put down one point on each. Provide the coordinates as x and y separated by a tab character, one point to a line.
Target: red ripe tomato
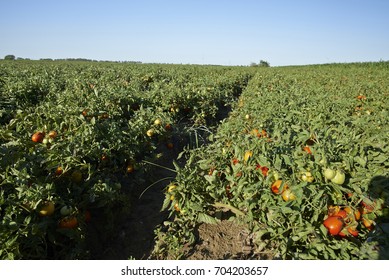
68	222
334	224
342	214
353	231
264	169
38	137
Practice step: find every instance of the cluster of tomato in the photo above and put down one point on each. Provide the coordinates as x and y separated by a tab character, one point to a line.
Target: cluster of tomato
279	187
344	220
156	128
41	137
70	216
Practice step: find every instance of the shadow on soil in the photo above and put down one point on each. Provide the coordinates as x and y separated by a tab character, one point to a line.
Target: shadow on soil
135	236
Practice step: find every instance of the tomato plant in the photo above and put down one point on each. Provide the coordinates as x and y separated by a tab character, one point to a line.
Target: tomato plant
97	127
315	155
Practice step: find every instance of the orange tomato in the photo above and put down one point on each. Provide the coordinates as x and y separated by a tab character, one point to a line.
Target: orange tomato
46	209
263	133
361	97
353	231
307	150
357	215
255	132
275	187
53	134
58	171
38	137
130	168
369	224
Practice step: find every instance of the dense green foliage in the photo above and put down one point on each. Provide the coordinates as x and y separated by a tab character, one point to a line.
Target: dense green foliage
106	120
291	124
103	123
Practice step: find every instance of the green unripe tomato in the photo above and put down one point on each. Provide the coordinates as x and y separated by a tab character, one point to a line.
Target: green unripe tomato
329	174
339	177
66	210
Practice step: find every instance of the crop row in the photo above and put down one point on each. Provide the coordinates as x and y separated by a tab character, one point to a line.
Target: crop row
302	161
76	138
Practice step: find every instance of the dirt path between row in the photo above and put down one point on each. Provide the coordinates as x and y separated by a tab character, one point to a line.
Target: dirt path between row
135	238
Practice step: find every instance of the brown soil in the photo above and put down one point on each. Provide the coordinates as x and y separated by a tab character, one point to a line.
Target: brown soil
225	240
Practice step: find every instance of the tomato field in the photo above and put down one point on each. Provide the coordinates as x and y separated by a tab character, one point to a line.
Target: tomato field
301	159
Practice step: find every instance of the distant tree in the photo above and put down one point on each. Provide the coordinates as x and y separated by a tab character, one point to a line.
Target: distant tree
9	57
263	63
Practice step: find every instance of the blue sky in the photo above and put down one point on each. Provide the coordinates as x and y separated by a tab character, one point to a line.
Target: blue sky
197	31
